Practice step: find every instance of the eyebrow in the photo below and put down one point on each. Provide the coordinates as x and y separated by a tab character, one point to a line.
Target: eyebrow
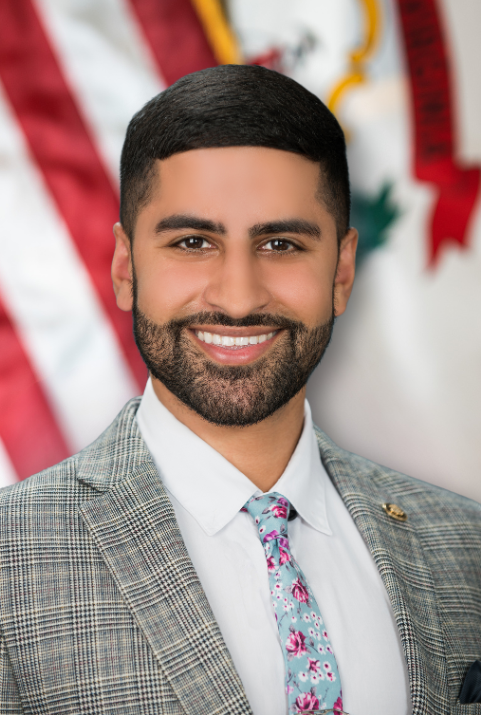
185	221
295	225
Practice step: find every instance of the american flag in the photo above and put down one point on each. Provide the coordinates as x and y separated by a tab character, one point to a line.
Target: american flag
71	76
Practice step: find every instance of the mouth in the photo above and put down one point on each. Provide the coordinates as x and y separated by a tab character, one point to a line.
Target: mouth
231	341
235	346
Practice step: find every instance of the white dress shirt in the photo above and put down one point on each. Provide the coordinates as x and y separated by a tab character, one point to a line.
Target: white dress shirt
207	493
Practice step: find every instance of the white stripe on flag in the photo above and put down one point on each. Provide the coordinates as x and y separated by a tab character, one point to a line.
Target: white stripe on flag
51	299
7	472
107	63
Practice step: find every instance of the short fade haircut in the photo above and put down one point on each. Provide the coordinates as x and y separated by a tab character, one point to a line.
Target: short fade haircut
233	105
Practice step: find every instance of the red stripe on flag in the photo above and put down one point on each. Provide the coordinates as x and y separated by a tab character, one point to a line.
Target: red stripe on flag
65	153
433	123
175	35
27	426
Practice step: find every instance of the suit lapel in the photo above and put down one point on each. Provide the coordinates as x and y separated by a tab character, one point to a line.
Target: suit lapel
134	526
397	551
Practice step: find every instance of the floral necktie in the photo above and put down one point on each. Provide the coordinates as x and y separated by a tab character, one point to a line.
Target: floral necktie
312	679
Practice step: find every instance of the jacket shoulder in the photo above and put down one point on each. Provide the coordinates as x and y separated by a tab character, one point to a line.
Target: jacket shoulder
49	480
430	502
114	451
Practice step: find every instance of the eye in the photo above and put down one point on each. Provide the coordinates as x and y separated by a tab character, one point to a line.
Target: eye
279	245
194	243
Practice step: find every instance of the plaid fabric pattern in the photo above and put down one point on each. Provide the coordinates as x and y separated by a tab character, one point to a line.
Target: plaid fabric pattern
101	610
431	568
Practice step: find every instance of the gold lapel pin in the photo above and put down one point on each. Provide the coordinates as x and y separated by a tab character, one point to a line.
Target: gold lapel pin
395	512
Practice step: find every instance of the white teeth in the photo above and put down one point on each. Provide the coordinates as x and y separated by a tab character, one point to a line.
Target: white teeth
229	341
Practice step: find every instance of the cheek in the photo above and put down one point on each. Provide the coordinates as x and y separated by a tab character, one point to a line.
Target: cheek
169	290
305	291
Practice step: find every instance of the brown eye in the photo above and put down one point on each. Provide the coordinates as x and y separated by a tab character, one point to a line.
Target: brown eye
279	245
194	243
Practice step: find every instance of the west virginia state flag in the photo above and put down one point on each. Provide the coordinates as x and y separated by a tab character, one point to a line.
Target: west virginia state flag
401	382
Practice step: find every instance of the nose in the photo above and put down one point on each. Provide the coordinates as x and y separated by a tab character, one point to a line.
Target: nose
236	286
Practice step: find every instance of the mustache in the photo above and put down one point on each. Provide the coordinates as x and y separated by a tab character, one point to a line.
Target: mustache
248	321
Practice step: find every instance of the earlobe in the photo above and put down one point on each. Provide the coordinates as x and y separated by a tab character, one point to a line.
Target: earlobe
346	269
122	269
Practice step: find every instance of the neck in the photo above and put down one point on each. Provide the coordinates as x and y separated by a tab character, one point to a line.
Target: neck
259	451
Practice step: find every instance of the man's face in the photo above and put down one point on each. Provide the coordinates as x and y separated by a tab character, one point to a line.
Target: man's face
236	279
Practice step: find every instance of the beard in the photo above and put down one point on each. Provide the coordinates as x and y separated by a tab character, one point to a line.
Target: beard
231	395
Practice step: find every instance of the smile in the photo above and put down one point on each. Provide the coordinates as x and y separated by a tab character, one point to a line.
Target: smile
229	341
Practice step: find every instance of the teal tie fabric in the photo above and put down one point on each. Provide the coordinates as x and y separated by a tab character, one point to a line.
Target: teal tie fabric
312	679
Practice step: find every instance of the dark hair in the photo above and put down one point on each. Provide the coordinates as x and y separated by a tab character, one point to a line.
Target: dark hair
233	105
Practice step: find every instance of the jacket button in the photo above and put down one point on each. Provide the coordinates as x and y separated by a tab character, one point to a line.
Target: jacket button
395	512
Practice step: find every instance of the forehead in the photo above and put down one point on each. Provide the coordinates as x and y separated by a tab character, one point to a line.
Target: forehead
249	183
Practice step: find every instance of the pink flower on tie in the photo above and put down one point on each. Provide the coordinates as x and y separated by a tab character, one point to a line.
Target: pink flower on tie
271	564
307	701
280	512
271	536
314	665
284	557
337	707
295	644
299	591
283	502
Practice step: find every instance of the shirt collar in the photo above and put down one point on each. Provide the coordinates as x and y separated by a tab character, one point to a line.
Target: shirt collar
210	488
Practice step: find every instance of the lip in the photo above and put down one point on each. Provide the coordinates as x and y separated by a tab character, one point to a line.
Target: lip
239	355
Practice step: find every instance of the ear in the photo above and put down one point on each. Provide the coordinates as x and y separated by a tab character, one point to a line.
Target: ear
122	269
346	269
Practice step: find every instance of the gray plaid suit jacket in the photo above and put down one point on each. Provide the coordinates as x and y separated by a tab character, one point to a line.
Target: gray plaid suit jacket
102	612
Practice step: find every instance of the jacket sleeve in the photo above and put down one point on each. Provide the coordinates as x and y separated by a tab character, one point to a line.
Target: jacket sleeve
9	698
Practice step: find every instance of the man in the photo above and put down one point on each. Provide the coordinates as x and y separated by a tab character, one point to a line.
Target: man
212	551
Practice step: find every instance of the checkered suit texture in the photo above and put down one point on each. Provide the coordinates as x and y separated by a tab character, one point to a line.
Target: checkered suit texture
101	611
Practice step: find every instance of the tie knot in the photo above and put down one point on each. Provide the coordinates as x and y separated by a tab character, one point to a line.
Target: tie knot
270	513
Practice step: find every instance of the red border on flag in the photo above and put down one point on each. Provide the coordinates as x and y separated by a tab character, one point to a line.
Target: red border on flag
432	107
